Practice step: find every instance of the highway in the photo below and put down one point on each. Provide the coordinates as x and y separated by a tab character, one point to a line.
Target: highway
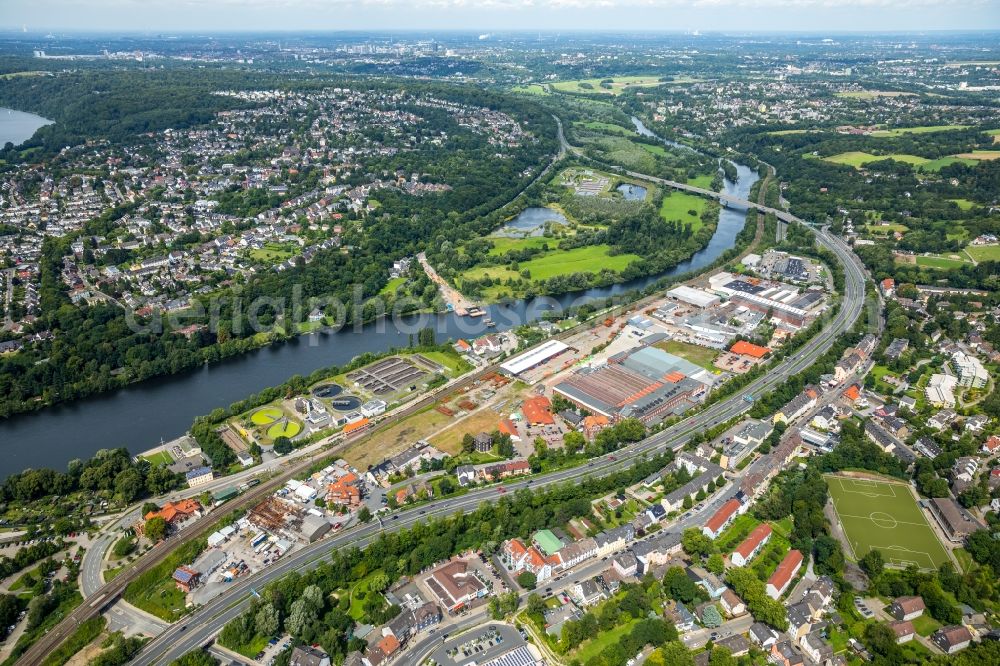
200	627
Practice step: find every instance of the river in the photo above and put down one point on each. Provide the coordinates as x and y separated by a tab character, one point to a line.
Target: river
18	126
140	416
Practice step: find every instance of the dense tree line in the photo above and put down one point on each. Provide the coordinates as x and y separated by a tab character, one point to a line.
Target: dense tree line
111	472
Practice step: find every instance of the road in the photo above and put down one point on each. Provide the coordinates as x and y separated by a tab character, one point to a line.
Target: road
200	627
207	621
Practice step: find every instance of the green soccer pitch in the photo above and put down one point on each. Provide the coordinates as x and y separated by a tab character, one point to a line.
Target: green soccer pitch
885	516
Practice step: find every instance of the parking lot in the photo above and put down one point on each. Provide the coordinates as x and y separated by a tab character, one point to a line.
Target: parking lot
478	646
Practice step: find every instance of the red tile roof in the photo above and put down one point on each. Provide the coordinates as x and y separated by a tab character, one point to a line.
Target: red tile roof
722	515
538	410
748	349
785	570
753	540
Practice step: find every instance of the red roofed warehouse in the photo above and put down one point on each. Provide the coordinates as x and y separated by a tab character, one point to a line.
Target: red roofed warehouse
747	349
752	545
783	575
538	411
722	518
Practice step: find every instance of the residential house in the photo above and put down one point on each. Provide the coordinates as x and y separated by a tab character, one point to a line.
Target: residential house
762	635
783	575
614	539
518	557
736	644
952	639
815	648
679	615
896	348
942	418
467	474
784	654
903	630
751	546
732	604
907	608
797	406
426	616
657	551
186	578
800	620
307	655
927	447
587	592
753	433
483	442
722	518
709	581
455	584
625	564
199	476
382	651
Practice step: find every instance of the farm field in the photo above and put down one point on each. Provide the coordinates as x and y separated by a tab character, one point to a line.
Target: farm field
607	128
504	244
937	261
984	252
925	129
679	205
531	89
619	83
858	159
884	515
587	259
790	132
980	155
872	94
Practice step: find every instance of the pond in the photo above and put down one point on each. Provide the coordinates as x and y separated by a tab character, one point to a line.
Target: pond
530	222
632	192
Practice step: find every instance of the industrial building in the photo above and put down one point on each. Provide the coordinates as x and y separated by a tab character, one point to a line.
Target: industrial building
646	383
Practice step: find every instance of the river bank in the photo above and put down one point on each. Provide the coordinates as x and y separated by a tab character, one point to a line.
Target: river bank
16	127
142	415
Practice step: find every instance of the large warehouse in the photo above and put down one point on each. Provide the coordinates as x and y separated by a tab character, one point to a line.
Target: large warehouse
692	296
534	357
648	384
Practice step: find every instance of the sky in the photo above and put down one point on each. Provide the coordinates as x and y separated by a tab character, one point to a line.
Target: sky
484	15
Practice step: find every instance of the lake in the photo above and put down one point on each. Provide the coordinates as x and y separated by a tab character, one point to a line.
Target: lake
140	416
18	126
530	222
632	192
